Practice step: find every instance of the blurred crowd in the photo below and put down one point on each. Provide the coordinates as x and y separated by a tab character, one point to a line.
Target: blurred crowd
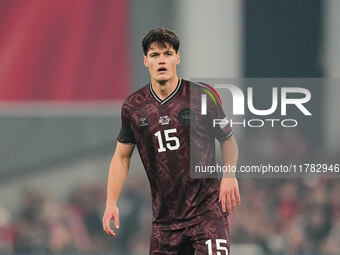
298	216
42	224
293	216
289	216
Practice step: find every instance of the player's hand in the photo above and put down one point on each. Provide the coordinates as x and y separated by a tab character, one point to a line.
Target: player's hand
111	213
229	194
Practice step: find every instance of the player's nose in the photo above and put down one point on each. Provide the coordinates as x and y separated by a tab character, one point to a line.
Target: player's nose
161	59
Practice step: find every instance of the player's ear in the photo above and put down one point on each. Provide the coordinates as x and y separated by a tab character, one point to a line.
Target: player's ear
145	60
178	55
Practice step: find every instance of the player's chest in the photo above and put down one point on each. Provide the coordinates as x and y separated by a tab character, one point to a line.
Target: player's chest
151	118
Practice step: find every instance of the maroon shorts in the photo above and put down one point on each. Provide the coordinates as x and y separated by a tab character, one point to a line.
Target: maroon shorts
205	238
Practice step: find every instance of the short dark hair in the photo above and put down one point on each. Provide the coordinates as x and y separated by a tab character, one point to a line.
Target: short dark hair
162	36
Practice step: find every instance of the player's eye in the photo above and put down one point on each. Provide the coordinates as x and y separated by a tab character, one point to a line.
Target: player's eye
153	55
169	54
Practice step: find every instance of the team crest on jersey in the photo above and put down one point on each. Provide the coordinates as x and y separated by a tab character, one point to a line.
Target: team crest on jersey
164	120
185	117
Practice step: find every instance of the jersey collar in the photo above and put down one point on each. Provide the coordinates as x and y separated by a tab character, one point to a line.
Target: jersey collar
168	97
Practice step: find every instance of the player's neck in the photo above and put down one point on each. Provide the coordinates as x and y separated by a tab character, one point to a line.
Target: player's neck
163	90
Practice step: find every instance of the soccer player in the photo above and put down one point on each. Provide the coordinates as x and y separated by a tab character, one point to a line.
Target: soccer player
190	215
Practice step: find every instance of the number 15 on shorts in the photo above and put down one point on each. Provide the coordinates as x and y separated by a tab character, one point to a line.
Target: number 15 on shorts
220	248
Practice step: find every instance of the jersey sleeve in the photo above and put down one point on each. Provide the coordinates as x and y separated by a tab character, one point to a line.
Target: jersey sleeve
125	134
219	124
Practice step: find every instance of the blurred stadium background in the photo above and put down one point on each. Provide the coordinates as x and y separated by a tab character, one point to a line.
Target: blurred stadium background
66	66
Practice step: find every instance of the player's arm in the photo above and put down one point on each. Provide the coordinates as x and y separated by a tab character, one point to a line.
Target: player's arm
117	174
229	190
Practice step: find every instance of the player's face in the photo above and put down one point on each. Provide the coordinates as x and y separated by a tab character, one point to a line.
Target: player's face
161	62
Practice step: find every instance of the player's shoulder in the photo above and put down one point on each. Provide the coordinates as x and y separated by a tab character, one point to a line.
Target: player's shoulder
138	97
197	87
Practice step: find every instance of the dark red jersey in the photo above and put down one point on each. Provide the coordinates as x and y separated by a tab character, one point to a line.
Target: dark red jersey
164	131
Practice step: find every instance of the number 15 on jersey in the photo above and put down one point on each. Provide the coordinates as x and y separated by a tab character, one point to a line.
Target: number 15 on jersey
171	141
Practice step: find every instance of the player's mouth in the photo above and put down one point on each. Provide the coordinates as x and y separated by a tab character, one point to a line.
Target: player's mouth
161	70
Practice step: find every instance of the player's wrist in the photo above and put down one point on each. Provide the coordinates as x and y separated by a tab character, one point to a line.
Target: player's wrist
228	175
111	203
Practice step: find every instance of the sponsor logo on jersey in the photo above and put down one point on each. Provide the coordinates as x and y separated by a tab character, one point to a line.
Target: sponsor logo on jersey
164	120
